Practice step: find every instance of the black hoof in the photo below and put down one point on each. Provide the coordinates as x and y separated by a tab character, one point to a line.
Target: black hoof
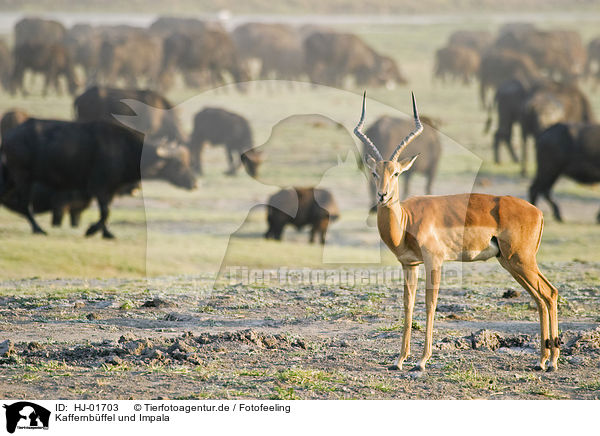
393	368
38	232
417	368
108	235
551	369
538	368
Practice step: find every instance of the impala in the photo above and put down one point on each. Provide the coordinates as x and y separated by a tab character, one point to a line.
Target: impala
430	230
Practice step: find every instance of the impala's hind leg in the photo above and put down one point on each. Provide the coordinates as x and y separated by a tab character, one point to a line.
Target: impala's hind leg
411	276
546	298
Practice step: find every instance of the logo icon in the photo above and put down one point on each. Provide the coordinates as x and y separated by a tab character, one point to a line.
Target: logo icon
26	415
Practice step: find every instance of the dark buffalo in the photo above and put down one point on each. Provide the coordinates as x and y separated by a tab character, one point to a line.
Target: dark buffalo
39	31
218	126
458	62
101	103
478	40
277	47
571	150
509	101
96	159
387	132
53	61
331	57
210	53
315	207
548	103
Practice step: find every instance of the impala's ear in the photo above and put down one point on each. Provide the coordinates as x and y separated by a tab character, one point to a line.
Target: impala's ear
406	163
370	162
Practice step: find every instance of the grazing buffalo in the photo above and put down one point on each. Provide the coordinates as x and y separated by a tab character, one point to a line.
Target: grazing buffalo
101	103
51	60
277	47
458	62
315	207
218	126
331	57
132	57
387	132
96	159
571	150
498	66
210	53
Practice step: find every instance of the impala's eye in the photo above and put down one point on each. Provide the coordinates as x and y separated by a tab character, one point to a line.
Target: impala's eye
375	175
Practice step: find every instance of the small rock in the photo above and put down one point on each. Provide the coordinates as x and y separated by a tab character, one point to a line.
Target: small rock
7	348
92	316
511	293
157	302
78	304
174	316
485	339
113	360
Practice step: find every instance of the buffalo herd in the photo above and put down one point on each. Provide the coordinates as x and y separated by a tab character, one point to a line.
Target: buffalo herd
61	166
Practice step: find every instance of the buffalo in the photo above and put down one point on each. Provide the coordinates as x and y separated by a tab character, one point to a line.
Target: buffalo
571	150
458	62
210	53
51	60
387	132
331	57
95	159
315	207
593	60
12	119
277	47
218	126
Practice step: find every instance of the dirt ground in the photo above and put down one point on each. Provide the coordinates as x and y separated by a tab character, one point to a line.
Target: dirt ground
92	340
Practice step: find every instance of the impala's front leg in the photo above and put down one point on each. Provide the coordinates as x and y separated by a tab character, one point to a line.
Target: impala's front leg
433	278
411	276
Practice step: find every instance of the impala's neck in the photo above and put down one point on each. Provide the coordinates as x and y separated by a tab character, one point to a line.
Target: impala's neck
391	222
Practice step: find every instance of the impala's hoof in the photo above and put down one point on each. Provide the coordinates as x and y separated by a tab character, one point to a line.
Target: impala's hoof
417	368
552	369
539	368
394	368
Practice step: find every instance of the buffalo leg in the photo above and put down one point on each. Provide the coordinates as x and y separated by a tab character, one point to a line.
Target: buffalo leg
26	193
232	167
103	205
75	215
57	216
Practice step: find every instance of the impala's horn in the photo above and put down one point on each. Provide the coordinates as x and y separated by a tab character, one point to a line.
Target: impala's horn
364	138
412	135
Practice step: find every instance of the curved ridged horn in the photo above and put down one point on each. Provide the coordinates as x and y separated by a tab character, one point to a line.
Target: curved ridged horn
364	138
412	135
